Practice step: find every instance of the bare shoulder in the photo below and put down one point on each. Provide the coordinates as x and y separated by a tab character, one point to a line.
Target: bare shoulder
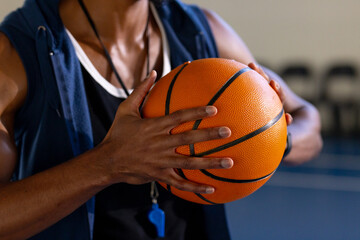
13	82
229	43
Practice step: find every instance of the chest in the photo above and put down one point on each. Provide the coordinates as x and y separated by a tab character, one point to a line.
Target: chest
132	61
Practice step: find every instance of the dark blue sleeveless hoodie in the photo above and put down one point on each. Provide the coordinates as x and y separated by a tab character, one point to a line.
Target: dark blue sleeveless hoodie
54	125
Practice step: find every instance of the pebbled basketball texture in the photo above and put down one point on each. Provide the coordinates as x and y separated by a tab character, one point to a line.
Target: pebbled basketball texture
246	104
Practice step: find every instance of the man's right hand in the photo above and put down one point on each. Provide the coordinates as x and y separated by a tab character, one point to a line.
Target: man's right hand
139	150
134	151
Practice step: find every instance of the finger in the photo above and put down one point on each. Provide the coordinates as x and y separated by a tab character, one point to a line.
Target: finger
187	115
277	88
252	66
185	185
138	95
289	119
259	69
195	163
195	136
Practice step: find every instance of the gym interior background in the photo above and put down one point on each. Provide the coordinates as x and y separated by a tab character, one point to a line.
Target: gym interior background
315	47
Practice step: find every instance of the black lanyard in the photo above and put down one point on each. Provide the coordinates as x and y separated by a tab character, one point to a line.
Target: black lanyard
107	52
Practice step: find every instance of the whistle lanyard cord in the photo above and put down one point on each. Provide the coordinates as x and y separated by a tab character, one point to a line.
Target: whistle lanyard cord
147	42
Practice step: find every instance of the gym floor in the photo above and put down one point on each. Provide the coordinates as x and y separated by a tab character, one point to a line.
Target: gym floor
317	200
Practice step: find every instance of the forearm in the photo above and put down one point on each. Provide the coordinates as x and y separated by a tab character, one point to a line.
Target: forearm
305	136
305	128
37	202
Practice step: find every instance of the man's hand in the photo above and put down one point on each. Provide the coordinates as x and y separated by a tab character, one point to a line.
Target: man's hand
275	85
143	150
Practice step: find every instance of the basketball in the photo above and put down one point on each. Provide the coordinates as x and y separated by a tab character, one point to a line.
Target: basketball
246	104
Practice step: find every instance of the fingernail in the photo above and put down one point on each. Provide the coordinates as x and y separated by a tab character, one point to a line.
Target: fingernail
224	132
209	190
227	163
211	110
151	74
289	117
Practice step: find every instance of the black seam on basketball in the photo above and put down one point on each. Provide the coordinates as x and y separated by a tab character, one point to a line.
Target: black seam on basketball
216	97
181	173
171	86
204	199
168	187
227	84
236	180
192	149
244	138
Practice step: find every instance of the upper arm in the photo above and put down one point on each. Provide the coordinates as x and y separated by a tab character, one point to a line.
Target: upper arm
231	46
229	43
13	88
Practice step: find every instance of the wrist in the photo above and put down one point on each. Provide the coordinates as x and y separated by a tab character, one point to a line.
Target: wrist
104	160
288	145
98	164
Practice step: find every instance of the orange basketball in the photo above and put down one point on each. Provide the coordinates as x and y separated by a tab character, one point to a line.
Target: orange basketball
246	104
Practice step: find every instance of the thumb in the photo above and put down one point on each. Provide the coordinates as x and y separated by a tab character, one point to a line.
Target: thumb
259	70
137	96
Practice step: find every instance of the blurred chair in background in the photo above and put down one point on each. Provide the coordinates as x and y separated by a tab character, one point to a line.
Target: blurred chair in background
339	103
300	78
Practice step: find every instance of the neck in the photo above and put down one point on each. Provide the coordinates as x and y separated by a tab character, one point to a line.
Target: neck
114	19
